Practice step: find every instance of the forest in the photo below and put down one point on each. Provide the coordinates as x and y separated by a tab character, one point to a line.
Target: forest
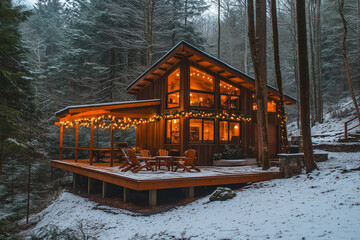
56	53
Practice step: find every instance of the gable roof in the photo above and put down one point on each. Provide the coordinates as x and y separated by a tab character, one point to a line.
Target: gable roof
213	64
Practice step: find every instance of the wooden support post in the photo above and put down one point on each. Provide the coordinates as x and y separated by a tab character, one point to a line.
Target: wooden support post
125	195
152	197
75	181
90	185
76	142
105	187
112	144
61	142
189	192
91	142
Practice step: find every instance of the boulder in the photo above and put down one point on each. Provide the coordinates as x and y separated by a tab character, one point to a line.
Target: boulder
222	194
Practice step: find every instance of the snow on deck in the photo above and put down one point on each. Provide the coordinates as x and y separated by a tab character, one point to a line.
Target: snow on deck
163	173
324	204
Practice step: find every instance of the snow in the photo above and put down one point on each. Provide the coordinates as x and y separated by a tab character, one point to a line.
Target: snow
324	204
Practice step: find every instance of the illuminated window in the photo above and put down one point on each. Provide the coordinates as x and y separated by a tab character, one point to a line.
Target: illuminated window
229	132
201	81
173	131
201	131
173	99
229	96
201	89
201	99
271	106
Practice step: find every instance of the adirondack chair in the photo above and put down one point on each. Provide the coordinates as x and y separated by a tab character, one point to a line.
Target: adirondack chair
127	164
146	153
187	162
136	164
163	152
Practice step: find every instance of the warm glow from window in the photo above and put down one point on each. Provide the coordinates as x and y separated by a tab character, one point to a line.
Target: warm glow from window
223	128
229	102
208	131
195	130
201	100
234	132
271	106
174	81
201	81
173	99
228	89
172	131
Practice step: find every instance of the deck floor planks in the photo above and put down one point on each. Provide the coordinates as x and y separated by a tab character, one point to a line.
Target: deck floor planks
163	179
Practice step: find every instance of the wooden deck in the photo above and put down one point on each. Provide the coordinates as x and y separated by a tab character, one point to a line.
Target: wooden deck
163	179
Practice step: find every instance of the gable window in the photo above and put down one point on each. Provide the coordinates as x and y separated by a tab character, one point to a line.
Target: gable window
201	131
229	96
201	89
229	132
173	90
173	130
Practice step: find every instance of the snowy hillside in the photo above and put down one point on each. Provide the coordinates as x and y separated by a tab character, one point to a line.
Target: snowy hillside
333	126
322	205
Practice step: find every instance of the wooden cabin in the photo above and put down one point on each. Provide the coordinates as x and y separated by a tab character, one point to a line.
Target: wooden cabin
187	99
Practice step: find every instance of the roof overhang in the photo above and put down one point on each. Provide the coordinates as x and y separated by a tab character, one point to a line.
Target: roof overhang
131	109
186	50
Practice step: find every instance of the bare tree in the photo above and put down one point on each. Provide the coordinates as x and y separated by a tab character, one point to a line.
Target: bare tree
148	7
319	110
219	31
348	75
258	53
313	91
304	86
283	130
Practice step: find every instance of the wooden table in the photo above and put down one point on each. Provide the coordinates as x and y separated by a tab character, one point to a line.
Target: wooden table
168	159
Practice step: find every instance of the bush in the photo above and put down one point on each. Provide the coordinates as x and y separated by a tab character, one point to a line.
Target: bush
230	152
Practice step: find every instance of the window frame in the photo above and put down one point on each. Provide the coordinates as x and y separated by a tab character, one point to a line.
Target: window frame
201	91
202	131
231	95
166	131
228	132
167	87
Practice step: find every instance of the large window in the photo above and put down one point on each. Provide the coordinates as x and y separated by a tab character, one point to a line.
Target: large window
271	106
201	131
201	89
229	132
229	96
173	96
173	130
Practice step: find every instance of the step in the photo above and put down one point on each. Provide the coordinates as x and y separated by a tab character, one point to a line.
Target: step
338	146
235	162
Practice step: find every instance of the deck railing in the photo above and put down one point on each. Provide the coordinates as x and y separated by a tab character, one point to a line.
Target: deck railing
346	126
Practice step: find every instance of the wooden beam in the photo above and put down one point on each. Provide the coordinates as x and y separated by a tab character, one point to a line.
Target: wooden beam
112	144
125	194
156	74
189	192
162	69
152	197
148	80
220	72
91	142
90	185
76	141
105	188
169	63
61	142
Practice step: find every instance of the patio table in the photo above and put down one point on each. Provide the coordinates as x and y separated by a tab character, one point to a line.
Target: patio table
168	159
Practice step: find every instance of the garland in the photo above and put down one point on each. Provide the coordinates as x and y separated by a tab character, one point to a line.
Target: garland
106	121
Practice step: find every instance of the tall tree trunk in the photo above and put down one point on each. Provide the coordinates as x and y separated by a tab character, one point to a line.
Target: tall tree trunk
281	109
313	93
219	31
112	70
257	51
245	40
348	75
318	62
148	15
304	86
2	154
186	12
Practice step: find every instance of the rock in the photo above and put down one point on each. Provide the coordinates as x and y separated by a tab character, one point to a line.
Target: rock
222	194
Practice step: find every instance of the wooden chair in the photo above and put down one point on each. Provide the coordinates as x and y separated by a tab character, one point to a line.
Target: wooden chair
126	164
136	164
162	152
187	162
146	153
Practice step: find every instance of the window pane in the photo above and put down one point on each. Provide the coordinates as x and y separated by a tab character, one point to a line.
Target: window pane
223	131
201	100
234	132
226	88
172	131
208	131
174	81
173	100
195	130
200	80
234	102
271	106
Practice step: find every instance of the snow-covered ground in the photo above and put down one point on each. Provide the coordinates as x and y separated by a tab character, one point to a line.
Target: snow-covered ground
322	205
333	126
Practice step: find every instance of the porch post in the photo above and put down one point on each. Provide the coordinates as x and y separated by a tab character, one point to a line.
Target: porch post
61	142
152	197
91	141
112	144
105	187
76	141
